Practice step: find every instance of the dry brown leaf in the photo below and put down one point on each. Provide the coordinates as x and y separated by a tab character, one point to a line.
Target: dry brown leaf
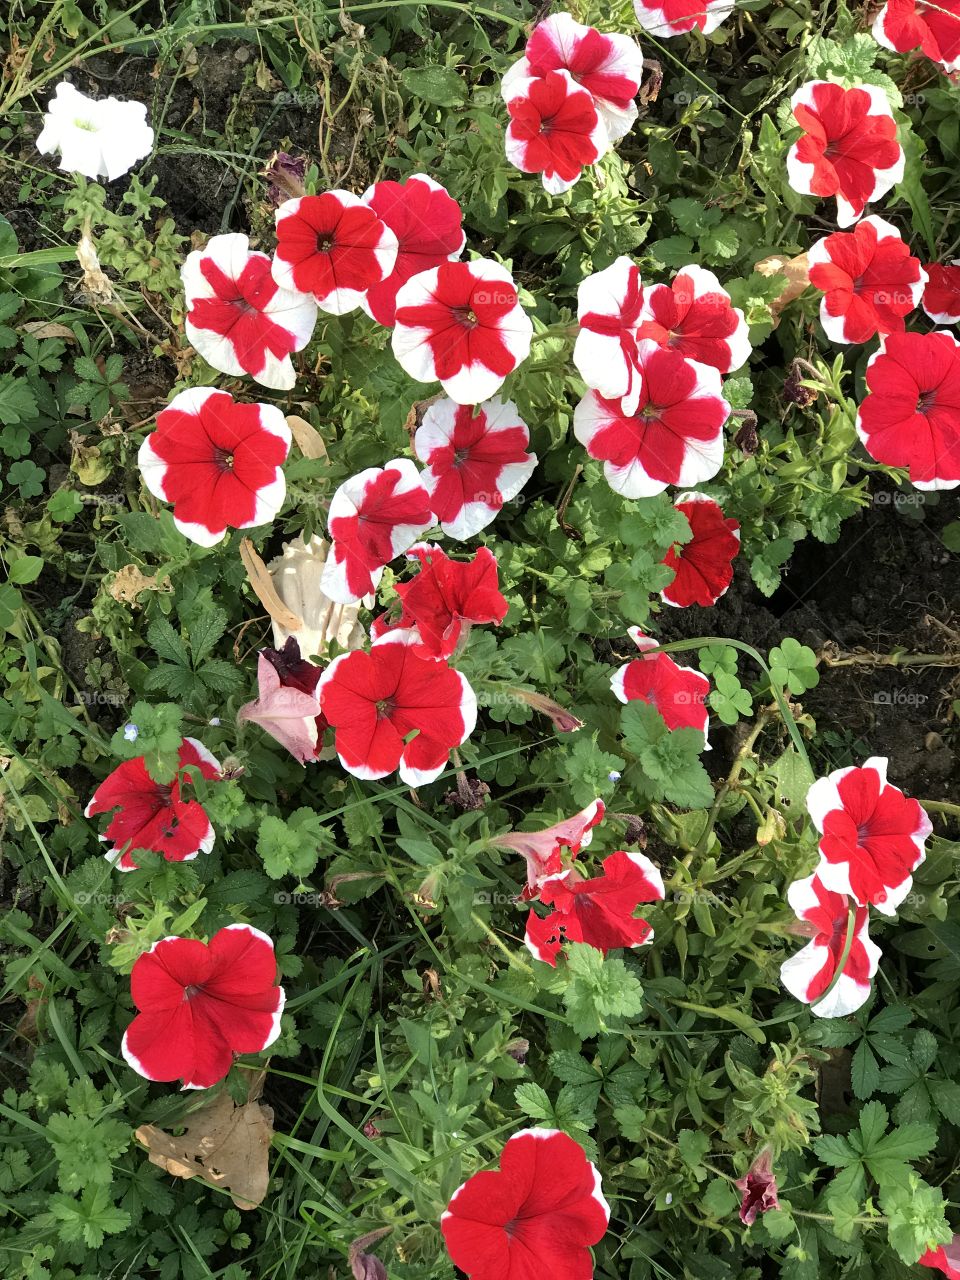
41	329
130	581
797	272
263	588
309	440
96	285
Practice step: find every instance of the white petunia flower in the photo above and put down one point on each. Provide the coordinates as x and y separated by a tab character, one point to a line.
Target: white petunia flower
100	138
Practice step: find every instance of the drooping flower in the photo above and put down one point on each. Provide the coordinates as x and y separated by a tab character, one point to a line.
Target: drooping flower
872	836
543	850
941	296
758	1187
693	315
332	246
100	138
848	148
461	324
377	700
238	318
809	973
217	461
154	815
286	705
555	129
297	575
609	310
934	27
674	435
428	224
597	911
665	18
946	1258
910	416
704	565
374	517
537	1215
608	65
678	693
476	460
201	1003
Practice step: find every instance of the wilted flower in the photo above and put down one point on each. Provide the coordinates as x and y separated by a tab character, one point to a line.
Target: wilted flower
543	850
100	138
759	1187
704	565
297	576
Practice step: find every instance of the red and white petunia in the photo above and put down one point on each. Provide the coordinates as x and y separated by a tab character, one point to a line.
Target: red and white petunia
609	311
154	815
219	462
374	517
333	246
869	281
543	850
941	296
809	973
666	18
693	315
946	1259
704	565
931	25
286	705
476	460
848	148
872	837
238	317
555	129
910	416
599	911
393	709
608	65
537	1215
674	435
200	1003
428	225
461	324
678	693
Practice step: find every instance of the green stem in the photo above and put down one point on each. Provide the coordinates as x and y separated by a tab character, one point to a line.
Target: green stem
844	954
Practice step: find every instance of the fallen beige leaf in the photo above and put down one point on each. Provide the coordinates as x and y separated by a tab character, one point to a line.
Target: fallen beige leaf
129	581
263	588
41	329
797	272
309	440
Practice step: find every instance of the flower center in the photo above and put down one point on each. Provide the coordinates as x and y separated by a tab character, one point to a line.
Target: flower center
649	413
385	708
223	459
460	456
466	316
325	241
86	125
926	401
191	991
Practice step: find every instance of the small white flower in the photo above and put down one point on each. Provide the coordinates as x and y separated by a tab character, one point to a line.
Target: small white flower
668	1198
100	138
613	776
131	732
215	722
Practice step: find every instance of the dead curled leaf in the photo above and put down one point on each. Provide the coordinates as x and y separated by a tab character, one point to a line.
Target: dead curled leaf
263	588
129	581
41	329
796	270
96	285
309	440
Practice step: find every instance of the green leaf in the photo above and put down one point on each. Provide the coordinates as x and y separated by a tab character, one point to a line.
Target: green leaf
533	1101
440	86
17	401
26	569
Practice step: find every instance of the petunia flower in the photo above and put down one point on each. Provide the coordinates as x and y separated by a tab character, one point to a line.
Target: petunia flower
461	324
286	705
609	311
704	565
678	693
154	815
217	461
673	435
693	315
555	129
100	138
910	416
394	710
598	912
941	296
332	246
608	65
666	18
201	1003
946	1258
536	1216
297	576
932	26
428	225
848	148
543	850
809	973
238	317
758	1187
476	461
374	517
869	281
872	836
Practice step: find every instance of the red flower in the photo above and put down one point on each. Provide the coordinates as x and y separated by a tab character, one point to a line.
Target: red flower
676	17
238	318
333	246
154	815
941	296
377	700
537	1216
599	911
872	838
609	310
374	517
217	461
673	436
911	414
945	1259
809	973
694	316
903	25
543	850
759	1188
555	129
200	1003
849	147
704	565
868	279
286	706
447	596
427	223
461	324
678	693
477	460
